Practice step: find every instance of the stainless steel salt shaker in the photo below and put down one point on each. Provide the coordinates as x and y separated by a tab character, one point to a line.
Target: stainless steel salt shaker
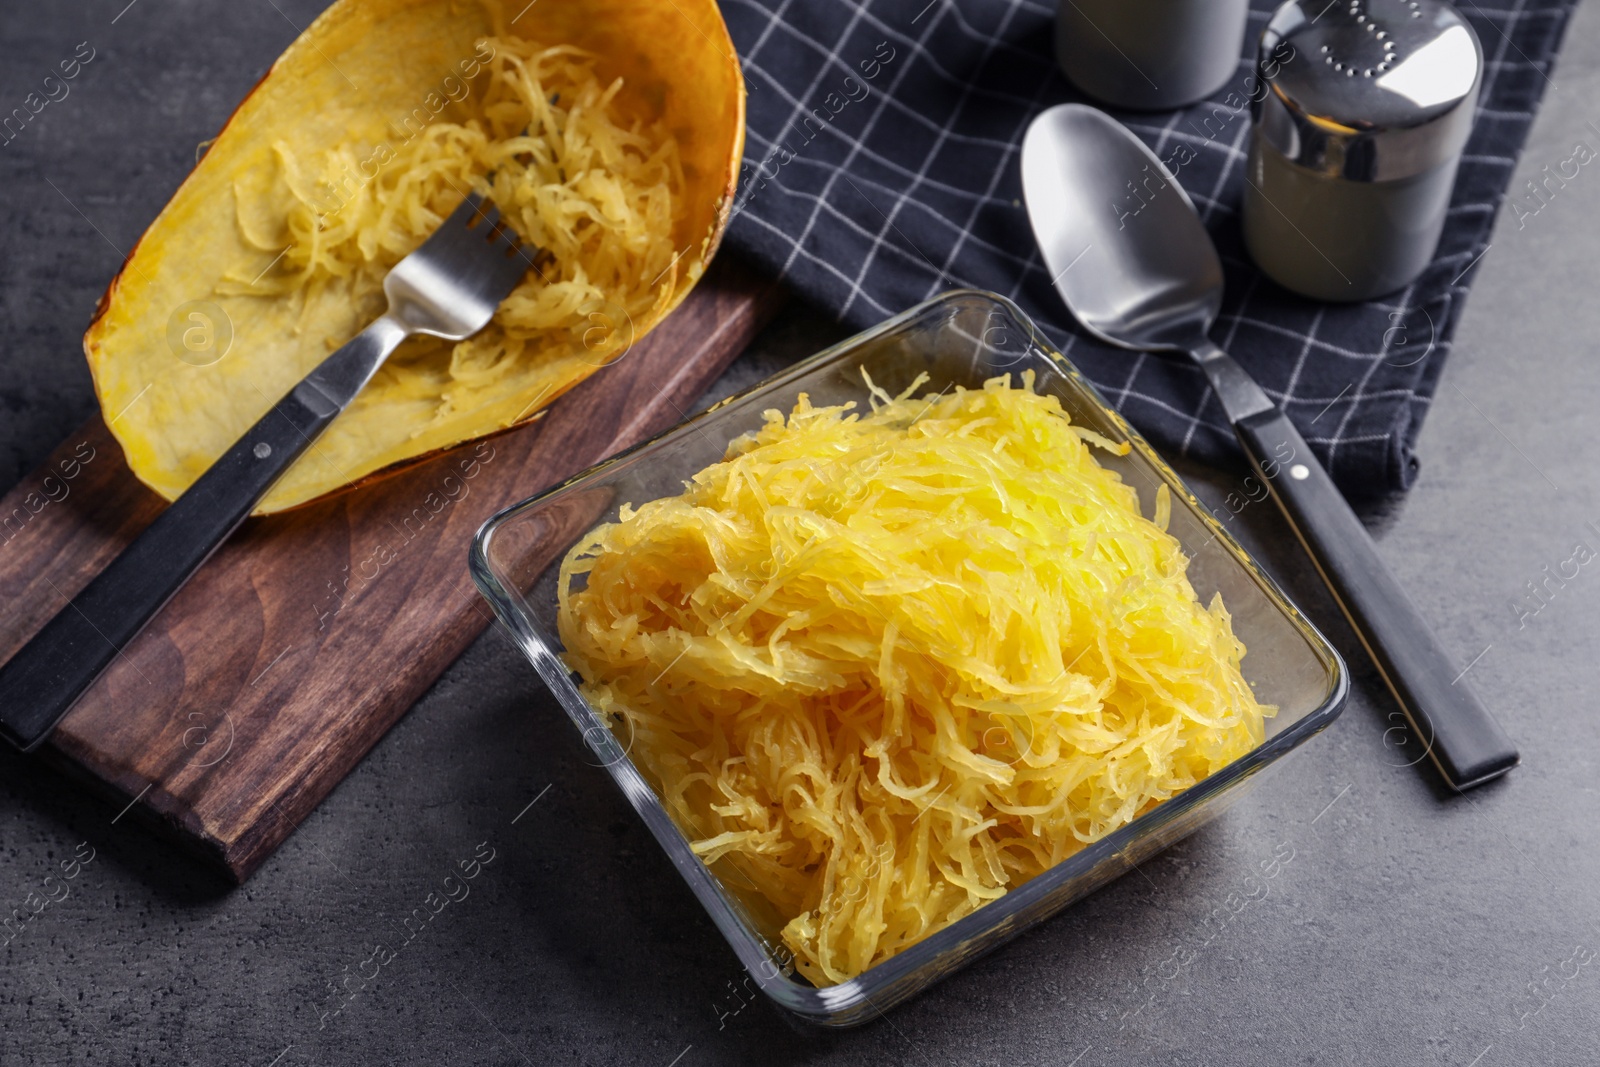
1356	139
1150	54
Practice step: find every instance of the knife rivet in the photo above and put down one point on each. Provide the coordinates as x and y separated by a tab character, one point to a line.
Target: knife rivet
263	450
1299	472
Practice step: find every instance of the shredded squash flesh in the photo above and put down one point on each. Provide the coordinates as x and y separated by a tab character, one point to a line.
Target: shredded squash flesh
888	665
575	168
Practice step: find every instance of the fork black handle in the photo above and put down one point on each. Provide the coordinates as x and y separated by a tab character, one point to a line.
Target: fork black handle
1458	733
41	683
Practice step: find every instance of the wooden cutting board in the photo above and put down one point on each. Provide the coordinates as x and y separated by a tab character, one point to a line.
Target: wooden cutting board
310	633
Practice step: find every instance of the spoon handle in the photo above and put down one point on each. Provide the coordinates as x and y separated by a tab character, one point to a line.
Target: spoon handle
1458	732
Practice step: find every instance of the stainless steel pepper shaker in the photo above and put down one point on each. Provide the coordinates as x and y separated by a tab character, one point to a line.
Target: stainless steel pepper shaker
1356	140
1150	54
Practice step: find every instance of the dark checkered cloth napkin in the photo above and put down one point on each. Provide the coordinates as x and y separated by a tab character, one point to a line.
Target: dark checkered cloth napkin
882	168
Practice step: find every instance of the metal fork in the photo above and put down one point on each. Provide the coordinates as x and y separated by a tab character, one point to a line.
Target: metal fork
449	288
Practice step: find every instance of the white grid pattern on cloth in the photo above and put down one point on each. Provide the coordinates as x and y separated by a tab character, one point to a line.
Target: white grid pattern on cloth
913	187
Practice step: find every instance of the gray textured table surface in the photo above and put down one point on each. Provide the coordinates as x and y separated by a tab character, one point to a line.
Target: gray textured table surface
1409	926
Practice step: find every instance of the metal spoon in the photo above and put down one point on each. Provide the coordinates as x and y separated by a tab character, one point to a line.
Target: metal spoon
1131	259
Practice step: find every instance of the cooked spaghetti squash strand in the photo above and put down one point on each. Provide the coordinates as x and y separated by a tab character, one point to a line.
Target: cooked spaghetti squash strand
572	171
890	665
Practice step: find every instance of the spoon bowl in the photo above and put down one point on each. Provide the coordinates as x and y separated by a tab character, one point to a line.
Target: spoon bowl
1122	241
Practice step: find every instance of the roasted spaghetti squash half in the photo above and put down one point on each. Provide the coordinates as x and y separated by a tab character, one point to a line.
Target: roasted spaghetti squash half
609	133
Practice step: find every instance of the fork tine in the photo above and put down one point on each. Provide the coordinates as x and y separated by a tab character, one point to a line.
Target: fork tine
503	238
464	212
489	258
457	220
514	261
522	256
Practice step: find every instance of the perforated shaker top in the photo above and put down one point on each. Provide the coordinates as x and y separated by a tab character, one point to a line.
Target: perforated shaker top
1368	89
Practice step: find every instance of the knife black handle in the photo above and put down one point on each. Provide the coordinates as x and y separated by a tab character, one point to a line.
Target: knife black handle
41	683
1462	738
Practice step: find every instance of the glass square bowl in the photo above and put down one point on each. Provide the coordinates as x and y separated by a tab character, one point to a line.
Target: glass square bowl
959	338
